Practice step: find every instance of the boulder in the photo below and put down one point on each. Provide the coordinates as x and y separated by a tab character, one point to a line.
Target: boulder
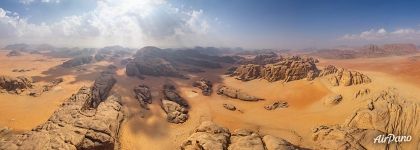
205	86
236	94
229	107
332	99
175	113
277	104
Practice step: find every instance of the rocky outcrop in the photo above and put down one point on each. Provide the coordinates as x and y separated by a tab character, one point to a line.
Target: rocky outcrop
205	85
387	112
236	94
287	69
143	95
339	76
15	85
100	89
276	105
77	61
14	53
210	136
265	58
333	99
229	107
174	105
45	88
362	93
70	128
231	70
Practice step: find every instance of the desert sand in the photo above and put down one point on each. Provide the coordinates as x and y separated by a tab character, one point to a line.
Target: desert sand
148	129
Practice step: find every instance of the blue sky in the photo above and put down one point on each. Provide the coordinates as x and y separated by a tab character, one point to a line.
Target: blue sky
178	23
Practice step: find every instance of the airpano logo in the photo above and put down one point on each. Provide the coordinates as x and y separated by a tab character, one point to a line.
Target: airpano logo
391	138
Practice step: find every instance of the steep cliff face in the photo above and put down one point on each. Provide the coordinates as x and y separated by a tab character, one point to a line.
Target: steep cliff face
387	112
288	69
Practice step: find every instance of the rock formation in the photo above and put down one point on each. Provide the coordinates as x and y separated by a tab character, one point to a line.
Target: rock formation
275	105
340	76
210	136
387	112
229	107
143	95
231	70
14	53
45	88
265	58
69	128
236	94
153	67
287	69
331	100
77	61
15	85
100	89
205	85
174	105
362	93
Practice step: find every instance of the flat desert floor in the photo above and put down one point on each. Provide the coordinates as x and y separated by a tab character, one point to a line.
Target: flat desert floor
148	129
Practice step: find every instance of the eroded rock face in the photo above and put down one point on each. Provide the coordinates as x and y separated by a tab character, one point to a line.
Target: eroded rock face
143	95
339	76
287	69
236	94
100	89
385	113
69	128
77	61
174	105
15	85
276	105
205	85
210	136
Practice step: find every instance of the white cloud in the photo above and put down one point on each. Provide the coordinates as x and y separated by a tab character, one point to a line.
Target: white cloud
124	22
382	35
27	2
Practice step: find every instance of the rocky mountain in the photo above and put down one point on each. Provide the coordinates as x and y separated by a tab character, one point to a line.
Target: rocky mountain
286	69
174	105
170	62
15	85
339	76
77	61
368	51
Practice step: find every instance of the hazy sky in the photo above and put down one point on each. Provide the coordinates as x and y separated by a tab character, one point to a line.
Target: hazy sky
179	23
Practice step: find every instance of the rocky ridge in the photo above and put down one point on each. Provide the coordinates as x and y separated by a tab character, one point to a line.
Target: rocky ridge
70	127
210	136
236	94
205	85
143	95
340	76
174	105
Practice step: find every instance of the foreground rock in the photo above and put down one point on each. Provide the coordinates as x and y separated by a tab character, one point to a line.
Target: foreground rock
174	105
77	61
236	94
340	76
205	85
384	113
287	69
276	105
15	85
210	136
70	128
143	95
